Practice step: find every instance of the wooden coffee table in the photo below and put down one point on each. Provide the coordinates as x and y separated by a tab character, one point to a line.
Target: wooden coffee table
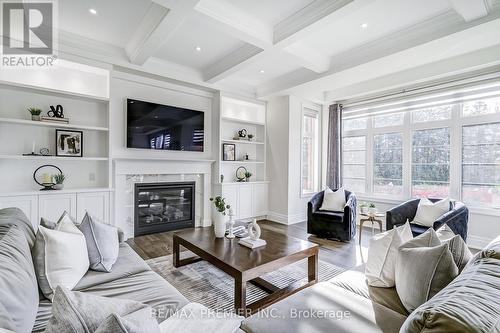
246	265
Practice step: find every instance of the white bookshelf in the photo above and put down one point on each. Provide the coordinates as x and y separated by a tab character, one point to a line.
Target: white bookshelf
86	113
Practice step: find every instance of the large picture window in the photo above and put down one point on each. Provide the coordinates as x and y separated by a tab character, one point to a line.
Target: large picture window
388	163
439	145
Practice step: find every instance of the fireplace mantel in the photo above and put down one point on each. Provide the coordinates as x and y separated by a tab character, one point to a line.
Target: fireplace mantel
147	170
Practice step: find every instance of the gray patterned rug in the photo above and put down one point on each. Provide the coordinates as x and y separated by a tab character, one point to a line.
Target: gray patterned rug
205	284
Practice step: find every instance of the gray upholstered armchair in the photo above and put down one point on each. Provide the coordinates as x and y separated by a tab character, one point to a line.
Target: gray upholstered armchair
326	224
456	218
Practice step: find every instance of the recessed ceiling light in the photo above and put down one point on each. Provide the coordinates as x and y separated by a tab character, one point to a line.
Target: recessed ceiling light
93	11
198	48
262	71
364	26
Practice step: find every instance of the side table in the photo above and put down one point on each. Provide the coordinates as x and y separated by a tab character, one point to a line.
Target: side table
370	217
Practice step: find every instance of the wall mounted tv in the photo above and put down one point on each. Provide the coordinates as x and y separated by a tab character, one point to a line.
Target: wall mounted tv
163	127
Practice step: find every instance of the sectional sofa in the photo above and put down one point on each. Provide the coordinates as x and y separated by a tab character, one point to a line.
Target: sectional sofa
470	303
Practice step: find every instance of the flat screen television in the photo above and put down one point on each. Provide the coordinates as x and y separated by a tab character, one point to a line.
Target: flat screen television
164	127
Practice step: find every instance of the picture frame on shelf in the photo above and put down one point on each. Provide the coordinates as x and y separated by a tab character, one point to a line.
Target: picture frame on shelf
228	152
69	143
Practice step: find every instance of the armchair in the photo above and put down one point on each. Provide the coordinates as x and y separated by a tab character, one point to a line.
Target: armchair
456	218
327	224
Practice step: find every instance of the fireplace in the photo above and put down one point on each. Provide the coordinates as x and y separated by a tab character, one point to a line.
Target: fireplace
163	207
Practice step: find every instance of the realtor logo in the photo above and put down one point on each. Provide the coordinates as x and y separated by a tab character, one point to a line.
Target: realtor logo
28	33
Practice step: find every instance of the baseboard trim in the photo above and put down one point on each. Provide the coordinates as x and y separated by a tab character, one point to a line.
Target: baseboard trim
477	242
286	219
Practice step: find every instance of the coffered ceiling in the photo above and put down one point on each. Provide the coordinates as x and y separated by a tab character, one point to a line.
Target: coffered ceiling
318	49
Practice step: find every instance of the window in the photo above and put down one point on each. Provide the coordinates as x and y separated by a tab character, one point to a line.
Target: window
354	163
355	124
393	119
388	163
481	164
432	114
431	163
310	153
481	107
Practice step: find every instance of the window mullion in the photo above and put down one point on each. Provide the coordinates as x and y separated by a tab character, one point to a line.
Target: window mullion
456	153
407	155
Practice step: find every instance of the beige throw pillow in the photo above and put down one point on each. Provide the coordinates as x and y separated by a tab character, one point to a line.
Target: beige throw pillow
428	212
333	201
423	269
381	263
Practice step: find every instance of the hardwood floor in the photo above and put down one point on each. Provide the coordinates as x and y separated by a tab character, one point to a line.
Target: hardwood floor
348	255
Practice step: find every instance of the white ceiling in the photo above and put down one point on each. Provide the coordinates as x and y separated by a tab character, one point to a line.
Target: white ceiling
298	44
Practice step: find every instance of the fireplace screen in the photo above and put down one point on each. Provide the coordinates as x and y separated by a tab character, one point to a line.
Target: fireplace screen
163	207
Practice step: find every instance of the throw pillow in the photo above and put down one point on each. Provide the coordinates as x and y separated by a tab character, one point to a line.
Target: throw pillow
60	257
192	316
381	263
428	212
65	218
135	322
421	272
427	239
78	312
460	251
333	201
445	233
102	243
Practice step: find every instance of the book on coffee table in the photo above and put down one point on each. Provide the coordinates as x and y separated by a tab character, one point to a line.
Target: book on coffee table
251	243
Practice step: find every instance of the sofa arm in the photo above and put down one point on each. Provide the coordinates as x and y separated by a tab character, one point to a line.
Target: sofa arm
315	203
457	219
350	209
398	215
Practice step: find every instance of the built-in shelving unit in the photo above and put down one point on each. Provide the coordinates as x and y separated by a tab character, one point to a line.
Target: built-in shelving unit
18	133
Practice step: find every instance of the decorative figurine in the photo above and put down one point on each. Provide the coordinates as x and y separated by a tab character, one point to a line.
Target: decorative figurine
230	235
253	240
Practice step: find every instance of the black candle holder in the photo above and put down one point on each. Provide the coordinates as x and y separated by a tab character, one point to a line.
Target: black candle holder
46	186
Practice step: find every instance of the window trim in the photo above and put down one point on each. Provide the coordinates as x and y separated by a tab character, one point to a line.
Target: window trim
312	111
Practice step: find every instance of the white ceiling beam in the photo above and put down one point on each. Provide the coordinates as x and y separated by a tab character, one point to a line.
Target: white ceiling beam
235	22
233	62
156	27
309	57
470	9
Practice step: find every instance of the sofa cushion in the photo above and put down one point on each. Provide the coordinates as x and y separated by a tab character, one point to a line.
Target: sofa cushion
325	307
381	263
127	264
102	243
15	216
329	216
78	312
470	303
333	201
135	322
5	320
19	289
459	250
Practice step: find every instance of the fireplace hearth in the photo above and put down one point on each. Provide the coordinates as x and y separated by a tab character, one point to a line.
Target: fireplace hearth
161	207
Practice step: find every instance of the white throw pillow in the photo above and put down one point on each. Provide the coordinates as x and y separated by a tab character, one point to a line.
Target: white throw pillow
333	201
444	233
428	212
60	257
381	263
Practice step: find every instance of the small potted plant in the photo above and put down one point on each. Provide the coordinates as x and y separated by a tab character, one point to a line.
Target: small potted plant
363	207
371	208
220	215
250	137
248	174
59	179
35	114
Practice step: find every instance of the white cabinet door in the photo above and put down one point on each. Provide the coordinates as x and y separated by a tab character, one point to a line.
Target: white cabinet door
96	203
260	199
51	206
230	192
245	201
27	203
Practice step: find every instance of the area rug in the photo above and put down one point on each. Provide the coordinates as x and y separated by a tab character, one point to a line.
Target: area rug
203	283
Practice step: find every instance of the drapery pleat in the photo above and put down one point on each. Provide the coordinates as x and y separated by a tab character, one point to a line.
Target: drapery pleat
334	151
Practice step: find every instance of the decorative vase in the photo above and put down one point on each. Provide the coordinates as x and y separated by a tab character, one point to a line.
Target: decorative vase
58	186
363	210
372	210
35	117
219	224
247	179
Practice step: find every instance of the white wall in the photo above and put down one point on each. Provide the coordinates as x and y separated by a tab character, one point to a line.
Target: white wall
277	157
124	85
284	123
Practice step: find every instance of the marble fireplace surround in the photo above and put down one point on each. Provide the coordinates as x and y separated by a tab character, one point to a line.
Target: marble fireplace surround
127	172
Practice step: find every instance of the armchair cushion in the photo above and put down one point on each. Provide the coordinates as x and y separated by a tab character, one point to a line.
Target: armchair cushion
329	216
428	212
333	201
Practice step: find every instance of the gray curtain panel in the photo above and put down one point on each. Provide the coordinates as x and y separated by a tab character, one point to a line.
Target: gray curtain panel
334	152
